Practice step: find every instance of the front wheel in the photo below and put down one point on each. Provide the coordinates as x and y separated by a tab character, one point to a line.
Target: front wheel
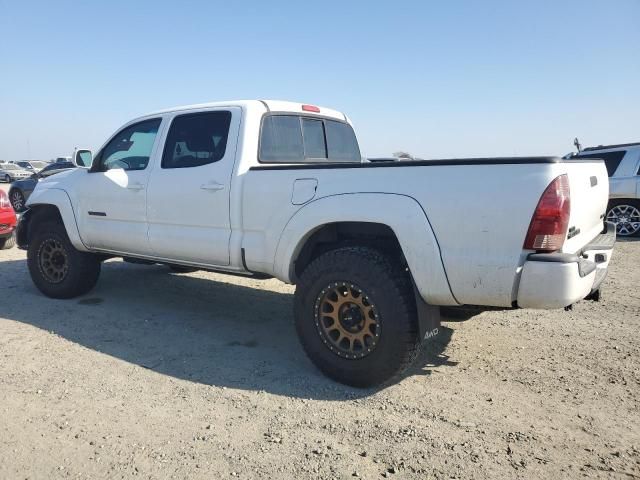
626	215
56	267
356	317
16	197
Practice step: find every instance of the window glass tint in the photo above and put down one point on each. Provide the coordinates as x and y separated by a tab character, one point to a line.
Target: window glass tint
313	133
196	139
342	145
611	159
131	148
281	139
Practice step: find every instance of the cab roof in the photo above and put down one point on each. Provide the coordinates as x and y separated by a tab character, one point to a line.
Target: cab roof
262	105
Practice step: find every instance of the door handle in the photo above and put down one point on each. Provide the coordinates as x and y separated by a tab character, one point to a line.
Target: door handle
135	186
213	186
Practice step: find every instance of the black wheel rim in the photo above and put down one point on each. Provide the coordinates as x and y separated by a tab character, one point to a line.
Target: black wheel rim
53	261
347	320
17	201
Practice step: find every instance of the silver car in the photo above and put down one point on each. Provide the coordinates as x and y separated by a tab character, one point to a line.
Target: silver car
10	172
623	166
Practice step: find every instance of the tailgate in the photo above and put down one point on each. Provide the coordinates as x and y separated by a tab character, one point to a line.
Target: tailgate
589	186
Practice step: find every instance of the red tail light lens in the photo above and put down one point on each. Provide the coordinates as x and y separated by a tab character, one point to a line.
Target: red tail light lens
310	108
549	224
4	201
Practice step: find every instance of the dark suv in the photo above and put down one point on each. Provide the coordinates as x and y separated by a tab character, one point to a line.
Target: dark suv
21	189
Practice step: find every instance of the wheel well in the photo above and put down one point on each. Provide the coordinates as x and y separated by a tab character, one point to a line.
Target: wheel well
45	211
334	235
35	214
613	201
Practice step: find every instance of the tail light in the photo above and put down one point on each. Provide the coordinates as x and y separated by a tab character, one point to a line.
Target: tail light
550	221
4	201
310	108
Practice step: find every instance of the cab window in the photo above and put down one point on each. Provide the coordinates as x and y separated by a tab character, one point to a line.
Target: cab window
196	139
300	139
131	148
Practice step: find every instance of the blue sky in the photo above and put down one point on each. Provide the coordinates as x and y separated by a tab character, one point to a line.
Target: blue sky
437	79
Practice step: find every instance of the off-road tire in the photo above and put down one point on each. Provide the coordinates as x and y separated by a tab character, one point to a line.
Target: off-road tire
83	268
388	287
8	242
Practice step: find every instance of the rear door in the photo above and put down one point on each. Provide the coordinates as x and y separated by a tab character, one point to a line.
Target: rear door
188	197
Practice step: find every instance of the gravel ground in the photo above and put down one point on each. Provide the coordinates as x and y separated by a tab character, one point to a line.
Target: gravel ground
159	375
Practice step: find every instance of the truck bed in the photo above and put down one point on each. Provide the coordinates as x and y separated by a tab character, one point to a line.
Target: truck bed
479	209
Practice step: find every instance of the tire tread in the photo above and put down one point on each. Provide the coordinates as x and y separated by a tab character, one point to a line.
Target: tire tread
400	289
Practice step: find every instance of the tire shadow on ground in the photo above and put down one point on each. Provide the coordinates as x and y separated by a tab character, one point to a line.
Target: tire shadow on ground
191	328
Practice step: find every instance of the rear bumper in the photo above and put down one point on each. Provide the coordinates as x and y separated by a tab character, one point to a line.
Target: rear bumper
555	280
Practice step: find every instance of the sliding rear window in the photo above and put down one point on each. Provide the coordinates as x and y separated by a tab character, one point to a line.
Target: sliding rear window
298	139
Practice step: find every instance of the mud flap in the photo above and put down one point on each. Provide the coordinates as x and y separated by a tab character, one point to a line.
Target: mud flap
428	317
22	229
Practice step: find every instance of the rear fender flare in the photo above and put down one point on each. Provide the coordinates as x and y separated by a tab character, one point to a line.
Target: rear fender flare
401	213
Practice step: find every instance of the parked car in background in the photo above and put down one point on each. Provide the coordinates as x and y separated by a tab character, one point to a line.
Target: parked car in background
32	165
10	172
8	222
623	168
21	189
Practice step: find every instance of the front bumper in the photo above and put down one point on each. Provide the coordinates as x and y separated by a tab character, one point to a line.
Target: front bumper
556	280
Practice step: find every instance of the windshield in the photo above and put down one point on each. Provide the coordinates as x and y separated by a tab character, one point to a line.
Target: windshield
38	164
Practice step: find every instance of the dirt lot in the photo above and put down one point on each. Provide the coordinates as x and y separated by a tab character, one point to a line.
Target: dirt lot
158	375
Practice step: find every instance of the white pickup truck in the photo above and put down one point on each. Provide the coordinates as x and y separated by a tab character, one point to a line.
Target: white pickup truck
272	188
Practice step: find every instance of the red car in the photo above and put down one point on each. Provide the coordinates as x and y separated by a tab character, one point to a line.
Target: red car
7	222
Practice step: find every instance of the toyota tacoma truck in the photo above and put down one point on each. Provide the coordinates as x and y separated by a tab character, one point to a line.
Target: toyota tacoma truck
280	189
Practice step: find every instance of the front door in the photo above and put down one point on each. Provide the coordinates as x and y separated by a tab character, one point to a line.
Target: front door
188	197
112	206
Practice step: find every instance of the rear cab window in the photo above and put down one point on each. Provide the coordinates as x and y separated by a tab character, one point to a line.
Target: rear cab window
293	138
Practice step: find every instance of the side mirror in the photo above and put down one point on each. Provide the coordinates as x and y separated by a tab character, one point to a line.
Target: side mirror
82	158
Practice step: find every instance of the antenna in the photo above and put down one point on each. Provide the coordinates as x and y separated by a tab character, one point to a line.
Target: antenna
576	142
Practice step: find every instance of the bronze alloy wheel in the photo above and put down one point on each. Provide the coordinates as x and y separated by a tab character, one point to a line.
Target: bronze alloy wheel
53	260
347	321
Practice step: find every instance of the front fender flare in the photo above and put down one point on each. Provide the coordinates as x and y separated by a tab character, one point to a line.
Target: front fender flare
401	213
57	198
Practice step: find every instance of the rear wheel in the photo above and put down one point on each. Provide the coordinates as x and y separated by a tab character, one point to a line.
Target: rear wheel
8	242
16	197
7	178
356	317
626	215
56	267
